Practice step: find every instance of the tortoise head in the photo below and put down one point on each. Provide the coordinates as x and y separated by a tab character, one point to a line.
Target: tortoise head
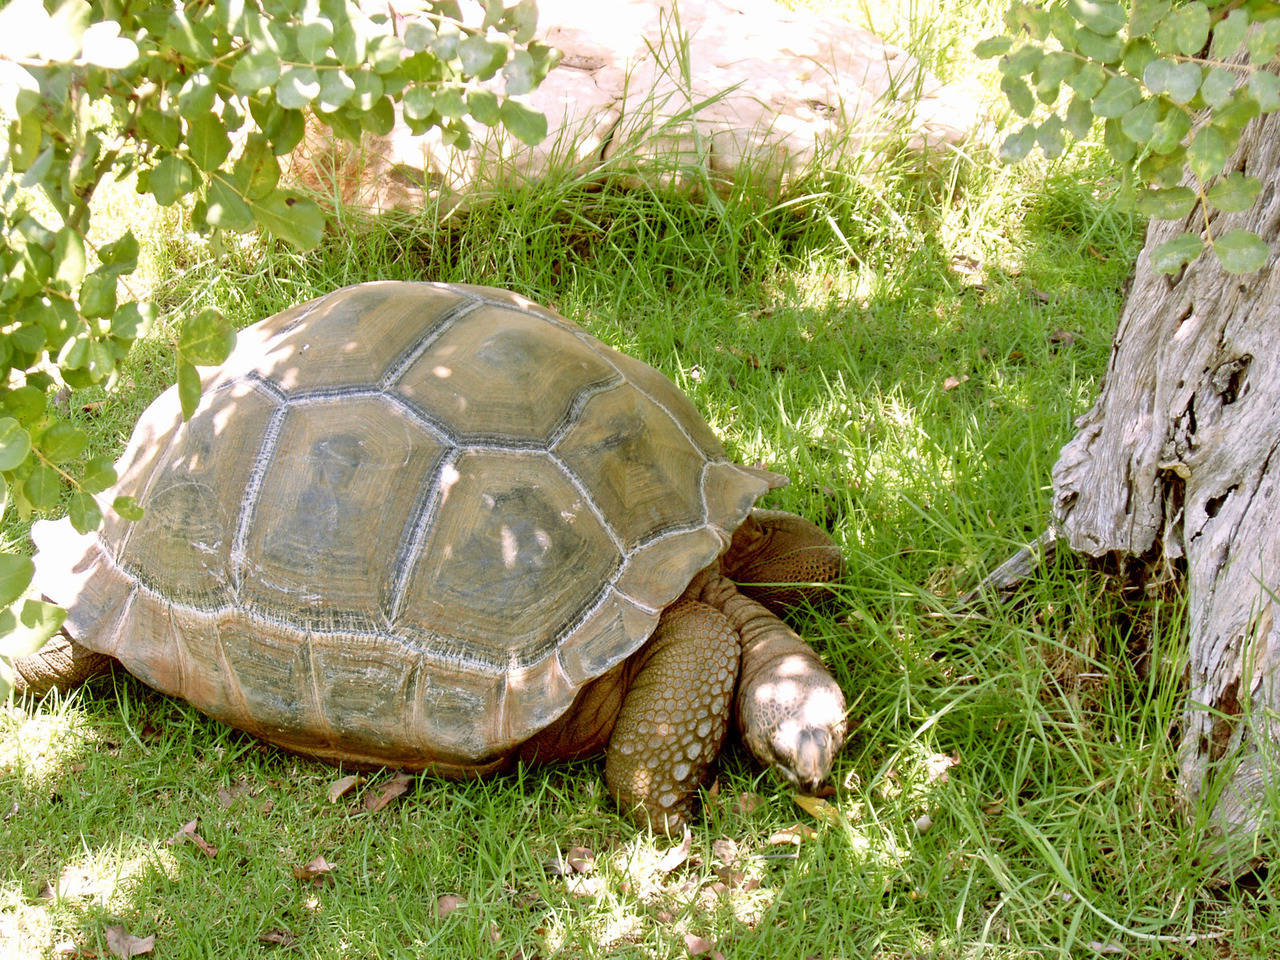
791	714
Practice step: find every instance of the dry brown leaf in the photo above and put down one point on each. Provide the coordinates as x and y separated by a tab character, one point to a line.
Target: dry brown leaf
726	850
817	808
340	788
188	832
581	859
390	790
317	868
277	938
696	945
448	903
747	802
796	834
952	382
677	854
124	944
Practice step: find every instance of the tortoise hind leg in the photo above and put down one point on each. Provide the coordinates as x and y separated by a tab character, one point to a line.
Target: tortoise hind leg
782	560
674	716
60	664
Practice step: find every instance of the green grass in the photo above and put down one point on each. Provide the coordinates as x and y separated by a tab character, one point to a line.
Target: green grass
911	347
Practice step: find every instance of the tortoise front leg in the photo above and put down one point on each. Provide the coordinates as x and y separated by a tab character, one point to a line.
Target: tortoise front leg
777	557
674	715
61	663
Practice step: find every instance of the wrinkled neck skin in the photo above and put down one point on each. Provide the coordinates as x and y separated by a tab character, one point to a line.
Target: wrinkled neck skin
789	710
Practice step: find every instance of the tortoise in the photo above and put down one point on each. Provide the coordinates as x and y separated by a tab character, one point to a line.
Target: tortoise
439	527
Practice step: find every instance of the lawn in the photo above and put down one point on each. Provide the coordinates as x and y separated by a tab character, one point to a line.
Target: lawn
910	344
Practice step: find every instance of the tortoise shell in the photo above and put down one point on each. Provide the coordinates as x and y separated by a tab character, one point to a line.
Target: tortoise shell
406	524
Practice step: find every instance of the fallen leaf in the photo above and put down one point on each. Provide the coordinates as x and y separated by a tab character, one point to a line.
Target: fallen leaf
340	788
188	832
677	854
696	945
1063	338
124	944
936	766
448	903
318	867
581	859
277	938
390	790
557	867
726	849
952	382
747	802
923	823
795	834
816	807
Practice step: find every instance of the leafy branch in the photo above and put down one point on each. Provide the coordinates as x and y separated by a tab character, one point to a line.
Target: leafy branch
1174	85
199	100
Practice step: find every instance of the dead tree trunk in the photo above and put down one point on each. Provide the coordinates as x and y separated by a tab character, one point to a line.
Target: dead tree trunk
1178	458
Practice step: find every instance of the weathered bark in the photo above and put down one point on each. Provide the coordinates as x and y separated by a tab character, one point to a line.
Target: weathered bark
1178	459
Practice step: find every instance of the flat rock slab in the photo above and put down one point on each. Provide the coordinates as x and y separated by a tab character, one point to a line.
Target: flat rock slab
695	94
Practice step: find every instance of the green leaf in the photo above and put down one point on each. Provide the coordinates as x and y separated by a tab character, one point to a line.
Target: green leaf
1171	204
188	388
1101	49
449	102
127	507
257	171
36	623
1265	88
523	123
1263	41
1019	94
368	90
418	36
1241	251
19	91
481	58
24	142
62	442
521	74
313	39
103	46
224	207
1089	80
172	178
1101	16
418	102
15	576
1022	61
1139	124
1172	255
1118	145
1179	81
336	88
85	514
1017	145
254	71
991	47
1145	14
291	217
207	338
1120	95
1169	131
381	119
1218	86
196	96
1208	152
129	320
483	105
121	254
68	254
99	474
1079	118
1050	137
42	487
98	295
1191	27
1138	55
163	128
207	141
27	404
1229	34
297	87
386	50
1163	170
